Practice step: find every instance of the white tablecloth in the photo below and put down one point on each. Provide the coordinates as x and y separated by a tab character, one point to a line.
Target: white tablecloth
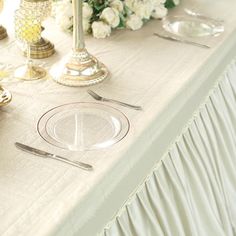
170	80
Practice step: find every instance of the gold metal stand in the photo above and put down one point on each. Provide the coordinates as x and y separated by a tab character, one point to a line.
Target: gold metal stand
32	72
81	68
3	32
42	49
5	96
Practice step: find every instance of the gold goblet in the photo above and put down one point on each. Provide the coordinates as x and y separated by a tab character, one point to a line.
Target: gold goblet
28	30
3	32
43	48
81	68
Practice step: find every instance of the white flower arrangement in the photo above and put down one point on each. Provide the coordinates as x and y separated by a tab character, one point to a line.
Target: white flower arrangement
101	16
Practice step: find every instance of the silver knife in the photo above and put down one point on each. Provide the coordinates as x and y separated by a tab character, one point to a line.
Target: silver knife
181	40
44	154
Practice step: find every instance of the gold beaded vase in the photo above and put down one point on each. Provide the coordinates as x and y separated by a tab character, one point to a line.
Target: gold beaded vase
28	31
43	48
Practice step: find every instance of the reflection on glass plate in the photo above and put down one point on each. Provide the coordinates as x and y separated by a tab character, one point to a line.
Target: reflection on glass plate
5	96
83	126
191	26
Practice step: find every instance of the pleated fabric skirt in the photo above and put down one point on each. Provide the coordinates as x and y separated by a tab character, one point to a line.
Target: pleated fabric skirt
192	190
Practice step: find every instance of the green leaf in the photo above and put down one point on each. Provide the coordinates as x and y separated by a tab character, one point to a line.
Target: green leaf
99	7
122	22
169	4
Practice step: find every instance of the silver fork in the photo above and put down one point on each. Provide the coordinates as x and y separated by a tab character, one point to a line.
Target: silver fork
100	98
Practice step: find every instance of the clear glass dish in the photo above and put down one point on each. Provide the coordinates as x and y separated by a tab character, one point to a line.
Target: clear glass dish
187	26
83	126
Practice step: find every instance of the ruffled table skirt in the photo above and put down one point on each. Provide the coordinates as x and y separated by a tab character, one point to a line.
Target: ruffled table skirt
192	190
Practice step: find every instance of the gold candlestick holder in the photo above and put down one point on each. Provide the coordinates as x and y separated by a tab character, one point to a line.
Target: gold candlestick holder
3	32
43	48
80	68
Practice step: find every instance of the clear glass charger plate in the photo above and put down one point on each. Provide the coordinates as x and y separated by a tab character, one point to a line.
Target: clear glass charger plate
83	126
193	27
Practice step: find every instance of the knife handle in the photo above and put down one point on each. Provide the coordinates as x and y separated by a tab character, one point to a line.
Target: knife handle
79	164
44	154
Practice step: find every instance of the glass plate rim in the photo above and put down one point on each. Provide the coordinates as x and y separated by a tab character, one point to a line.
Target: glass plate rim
174	18
126	131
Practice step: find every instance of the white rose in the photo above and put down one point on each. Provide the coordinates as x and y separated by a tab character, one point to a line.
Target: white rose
159	12
143	10
86	25
157	2
134	22
130	4
65	8
64	22
176	2
117	4
87	10
100	29
111	17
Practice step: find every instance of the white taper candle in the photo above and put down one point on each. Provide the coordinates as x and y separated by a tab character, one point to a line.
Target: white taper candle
78	34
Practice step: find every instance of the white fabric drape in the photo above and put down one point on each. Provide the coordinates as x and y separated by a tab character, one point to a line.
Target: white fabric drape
192	191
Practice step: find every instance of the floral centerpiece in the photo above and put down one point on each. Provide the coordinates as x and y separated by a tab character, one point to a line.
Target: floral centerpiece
101	16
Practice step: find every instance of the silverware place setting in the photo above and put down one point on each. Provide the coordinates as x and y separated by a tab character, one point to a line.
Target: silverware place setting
82	165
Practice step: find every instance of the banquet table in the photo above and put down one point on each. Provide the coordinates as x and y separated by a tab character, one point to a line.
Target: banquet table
181	145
